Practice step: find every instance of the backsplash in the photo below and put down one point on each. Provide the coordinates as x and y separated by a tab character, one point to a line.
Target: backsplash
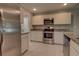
56	27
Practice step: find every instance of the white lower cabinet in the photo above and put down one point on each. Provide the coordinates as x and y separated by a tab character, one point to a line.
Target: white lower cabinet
74	51
37	36
24	43
58	37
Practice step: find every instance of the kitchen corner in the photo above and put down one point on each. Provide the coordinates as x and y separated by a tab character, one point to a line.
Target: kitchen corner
72	47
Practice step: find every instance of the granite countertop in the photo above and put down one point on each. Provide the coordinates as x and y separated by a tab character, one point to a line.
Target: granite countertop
23	33
73	36
36	29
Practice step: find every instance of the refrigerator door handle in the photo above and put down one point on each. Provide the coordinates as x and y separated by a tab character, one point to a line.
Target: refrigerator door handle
1	42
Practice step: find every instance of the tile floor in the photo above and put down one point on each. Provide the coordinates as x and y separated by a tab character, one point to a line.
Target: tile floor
41	49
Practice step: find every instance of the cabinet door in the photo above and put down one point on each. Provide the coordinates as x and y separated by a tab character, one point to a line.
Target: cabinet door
24	42
58	37
74	48
73	52
62	18
37	20
37	35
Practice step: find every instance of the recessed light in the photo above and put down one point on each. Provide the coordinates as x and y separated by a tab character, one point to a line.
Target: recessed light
34	9
65	4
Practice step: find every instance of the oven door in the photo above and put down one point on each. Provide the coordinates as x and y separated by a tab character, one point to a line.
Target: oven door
48	35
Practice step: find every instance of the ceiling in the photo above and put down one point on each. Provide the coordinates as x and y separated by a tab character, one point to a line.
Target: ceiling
45	7
41	7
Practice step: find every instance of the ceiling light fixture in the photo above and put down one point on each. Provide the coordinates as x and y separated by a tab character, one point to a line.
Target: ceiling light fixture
34	9
65	4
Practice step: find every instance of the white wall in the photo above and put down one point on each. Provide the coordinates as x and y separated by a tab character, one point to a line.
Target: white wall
76	23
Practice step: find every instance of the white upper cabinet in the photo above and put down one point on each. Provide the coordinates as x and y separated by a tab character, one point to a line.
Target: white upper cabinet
59	18
37	20
62	18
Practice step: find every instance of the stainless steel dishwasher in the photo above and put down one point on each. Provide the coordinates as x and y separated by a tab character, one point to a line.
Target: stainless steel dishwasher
66	46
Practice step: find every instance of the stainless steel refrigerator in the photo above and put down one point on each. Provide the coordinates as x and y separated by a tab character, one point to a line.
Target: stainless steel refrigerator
10	33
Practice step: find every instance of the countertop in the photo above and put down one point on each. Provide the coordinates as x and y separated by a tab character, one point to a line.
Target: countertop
73	36
54	30
23	33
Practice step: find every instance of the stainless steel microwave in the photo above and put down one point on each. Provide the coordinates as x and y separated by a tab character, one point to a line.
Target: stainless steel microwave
48	21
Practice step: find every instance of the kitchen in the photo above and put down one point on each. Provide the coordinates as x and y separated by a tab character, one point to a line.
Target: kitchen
47	29
64	20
